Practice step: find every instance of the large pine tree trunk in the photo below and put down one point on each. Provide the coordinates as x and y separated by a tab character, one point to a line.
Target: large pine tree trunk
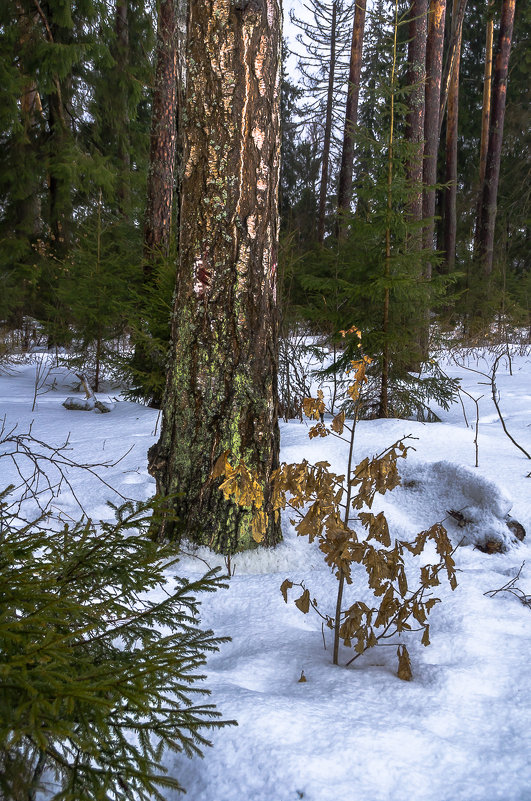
434	58
344	195
158	222
487	217
450	196
327	130
221	393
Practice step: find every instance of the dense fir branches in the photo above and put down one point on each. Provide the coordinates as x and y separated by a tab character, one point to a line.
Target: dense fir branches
100	659
62	144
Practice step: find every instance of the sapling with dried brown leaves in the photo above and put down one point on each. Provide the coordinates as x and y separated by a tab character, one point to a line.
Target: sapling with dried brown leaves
336	511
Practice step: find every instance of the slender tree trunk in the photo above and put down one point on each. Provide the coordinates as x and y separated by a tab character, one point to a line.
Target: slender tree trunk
221	392
487	218
158	221
415	103
121	116
434	58
485	120
487	92
454	51
344	196
383	410
328	130
450	198
415	159
28	206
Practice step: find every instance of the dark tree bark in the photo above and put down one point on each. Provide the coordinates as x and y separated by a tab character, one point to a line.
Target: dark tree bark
434	58
454	50
221	393
27	203
485	115
344	195
121	116
487	219
450	196
327	131
60	190
158	221
415	103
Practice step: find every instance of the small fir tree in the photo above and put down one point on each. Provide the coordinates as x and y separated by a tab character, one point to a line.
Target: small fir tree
96	290
375	274
100	661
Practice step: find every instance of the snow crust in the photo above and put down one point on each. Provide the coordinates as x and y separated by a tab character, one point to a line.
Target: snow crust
460	731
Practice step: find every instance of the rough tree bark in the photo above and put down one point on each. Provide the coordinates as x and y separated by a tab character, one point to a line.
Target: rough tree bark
485	115
487	216
434	58
415	103
344	195
450	194
221	393
158	221
454	49
327	130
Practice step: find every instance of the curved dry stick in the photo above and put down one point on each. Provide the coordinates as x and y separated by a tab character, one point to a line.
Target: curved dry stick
494	393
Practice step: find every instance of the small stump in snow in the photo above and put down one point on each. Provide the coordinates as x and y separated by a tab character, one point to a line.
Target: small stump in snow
88	403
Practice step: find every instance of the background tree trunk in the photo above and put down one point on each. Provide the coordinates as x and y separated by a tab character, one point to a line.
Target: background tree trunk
485	117
454	49
487	218
121	116
157	230
221	393
434	58
450	196
327	131
415	102
344	196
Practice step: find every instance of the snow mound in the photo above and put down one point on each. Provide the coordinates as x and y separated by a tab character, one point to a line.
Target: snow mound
474	509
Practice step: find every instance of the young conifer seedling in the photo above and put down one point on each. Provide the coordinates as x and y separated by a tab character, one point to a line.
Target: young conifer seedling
336	510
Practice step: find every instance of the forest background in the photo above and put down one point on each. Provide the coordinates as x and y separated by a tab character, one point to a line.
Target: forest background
404	209
399	201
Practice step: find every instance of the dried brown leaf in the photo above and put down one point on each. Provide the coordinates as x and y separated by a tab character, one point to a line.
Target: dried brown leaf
303	603
404	664
284	587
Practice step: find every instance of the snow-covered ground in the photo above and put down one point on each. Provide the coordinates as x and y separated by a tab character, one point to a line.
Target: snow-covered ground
460	730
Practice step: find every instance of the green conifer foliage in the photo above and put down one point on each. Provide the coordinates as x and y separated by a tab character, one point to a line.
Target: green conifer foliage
374	277
62	142
100	659
96	288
